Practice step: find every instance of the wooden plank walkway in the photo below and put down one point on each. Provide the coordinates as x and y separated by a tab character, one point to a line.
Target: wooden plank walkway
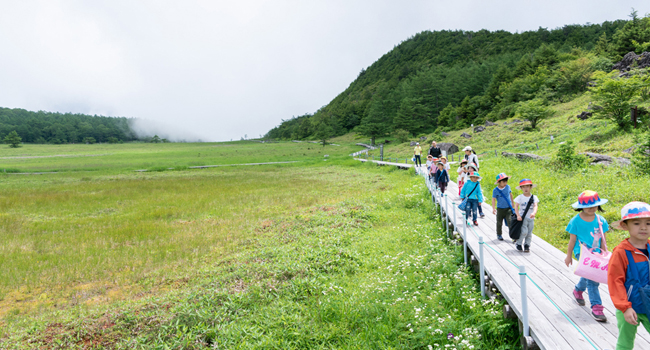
572	327
556	320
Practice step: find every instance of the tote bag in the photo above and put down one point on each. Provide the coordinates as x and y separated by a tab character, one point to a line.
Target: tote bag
593	266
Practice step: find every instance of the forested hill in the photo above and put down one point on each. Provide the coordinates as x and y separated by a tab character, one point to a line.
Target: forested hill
449	79
46	127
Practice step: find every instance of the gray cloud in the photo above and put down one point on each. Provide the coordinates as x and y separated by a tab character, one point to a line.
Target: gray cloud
222	69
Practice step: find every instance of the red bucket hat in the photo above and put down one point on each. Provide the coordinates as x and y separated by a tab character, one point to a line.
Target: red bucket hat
526	182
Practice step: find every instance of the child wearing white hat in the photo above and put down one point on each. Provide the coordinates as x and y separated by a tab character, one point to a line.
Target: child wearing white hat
627	275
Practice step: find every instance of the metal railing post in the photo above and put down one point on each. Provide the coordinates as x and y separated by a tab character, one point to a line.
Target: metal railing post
446	215
465	241
440	202
524	299
453	207
482	266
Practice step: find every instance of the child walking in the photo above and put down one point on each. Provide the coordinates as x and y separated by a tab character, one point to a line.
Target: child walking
471	168
472	191
502	203
442	177
462	174
587	228
521	202
628	273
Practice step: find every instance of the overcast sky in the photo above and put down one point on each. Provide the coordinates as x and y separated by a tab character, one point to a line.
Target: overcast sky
222	69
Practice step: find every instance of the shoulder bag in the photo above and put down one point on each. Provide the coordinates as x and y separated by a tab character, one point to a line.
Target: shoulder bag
593	266
463	205
515	225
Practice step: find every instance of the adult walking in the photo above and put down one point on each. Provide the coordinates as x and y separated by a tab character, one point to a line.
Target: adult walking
417	151
434	151
471	156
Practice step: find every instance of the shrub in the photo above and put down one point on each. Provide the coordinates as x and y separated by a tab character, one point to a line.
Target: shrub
13	139
566	157
641	156
89	140
534	110
402	135
617	95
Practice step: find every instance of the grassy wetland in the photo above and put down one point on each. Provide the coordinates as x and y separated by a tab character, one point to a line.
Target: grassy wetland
316	254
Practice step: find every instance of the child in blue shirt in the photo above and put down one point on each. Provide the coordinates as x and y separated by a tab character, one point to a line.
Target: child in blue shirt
585	228
502	203
472	191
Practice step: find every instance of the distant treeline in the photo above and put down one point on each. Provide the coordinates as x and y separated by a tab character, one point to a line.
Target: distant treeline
449	79
46	127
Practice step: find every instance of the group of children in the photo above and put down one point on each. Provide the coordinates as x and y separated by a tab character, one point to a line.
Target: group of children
628	271
438	170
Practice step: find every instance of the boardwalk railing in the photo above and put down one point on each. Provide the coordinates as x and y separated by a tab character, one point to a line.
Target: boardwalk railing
442	201
543	290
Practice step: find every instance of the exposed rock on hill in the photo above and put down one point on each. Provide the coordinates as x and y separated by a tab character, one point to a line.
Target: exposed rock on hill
632	60
523	156
606	160
584	115
450	148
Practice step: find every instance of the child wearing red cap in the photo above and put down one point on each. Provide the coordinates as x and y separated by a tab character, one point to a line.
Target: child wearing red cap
521	203
628	273
588	228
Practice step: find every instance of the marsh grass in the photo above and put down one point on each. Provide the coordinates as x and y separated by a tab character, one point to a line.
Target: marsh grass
72	238
116	158
371	271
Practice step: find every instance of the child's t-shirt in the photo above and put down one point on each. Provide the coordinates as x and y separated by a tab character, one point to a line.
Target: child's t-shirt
523	203
429	164
645	251
587	232
502	196
461	174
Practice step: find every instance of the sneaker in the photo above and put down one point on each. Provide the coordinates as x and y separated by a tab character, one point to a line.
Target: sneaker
500	238
518	247
475	223
579	298
597	313
482	216
526	249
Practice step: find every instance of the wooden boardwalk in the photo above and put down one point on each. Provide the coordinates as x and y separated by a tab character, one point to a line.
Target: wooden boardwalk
556	321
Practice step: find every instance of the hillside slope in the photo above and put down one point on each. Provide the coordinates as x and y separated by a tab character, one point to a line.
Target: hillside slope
446	80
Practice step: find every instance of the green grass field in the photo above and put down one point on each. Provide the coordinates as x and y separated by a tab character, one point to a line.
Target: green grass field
318	254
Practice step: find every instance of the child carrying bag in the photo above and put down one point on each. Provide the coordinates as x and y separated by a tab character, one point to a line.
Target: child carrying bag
644	291
515	225
593	266
463	205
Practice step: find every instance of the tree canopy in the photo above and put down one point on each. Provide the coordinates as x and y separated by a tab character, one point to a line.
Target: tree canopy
46	127
448	79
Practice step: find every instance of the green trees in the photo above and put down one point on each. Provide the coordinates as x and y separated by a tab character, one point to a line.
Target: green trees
634	36
57	128
534	110
12	139
324	132
616	96
412	115
450	79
